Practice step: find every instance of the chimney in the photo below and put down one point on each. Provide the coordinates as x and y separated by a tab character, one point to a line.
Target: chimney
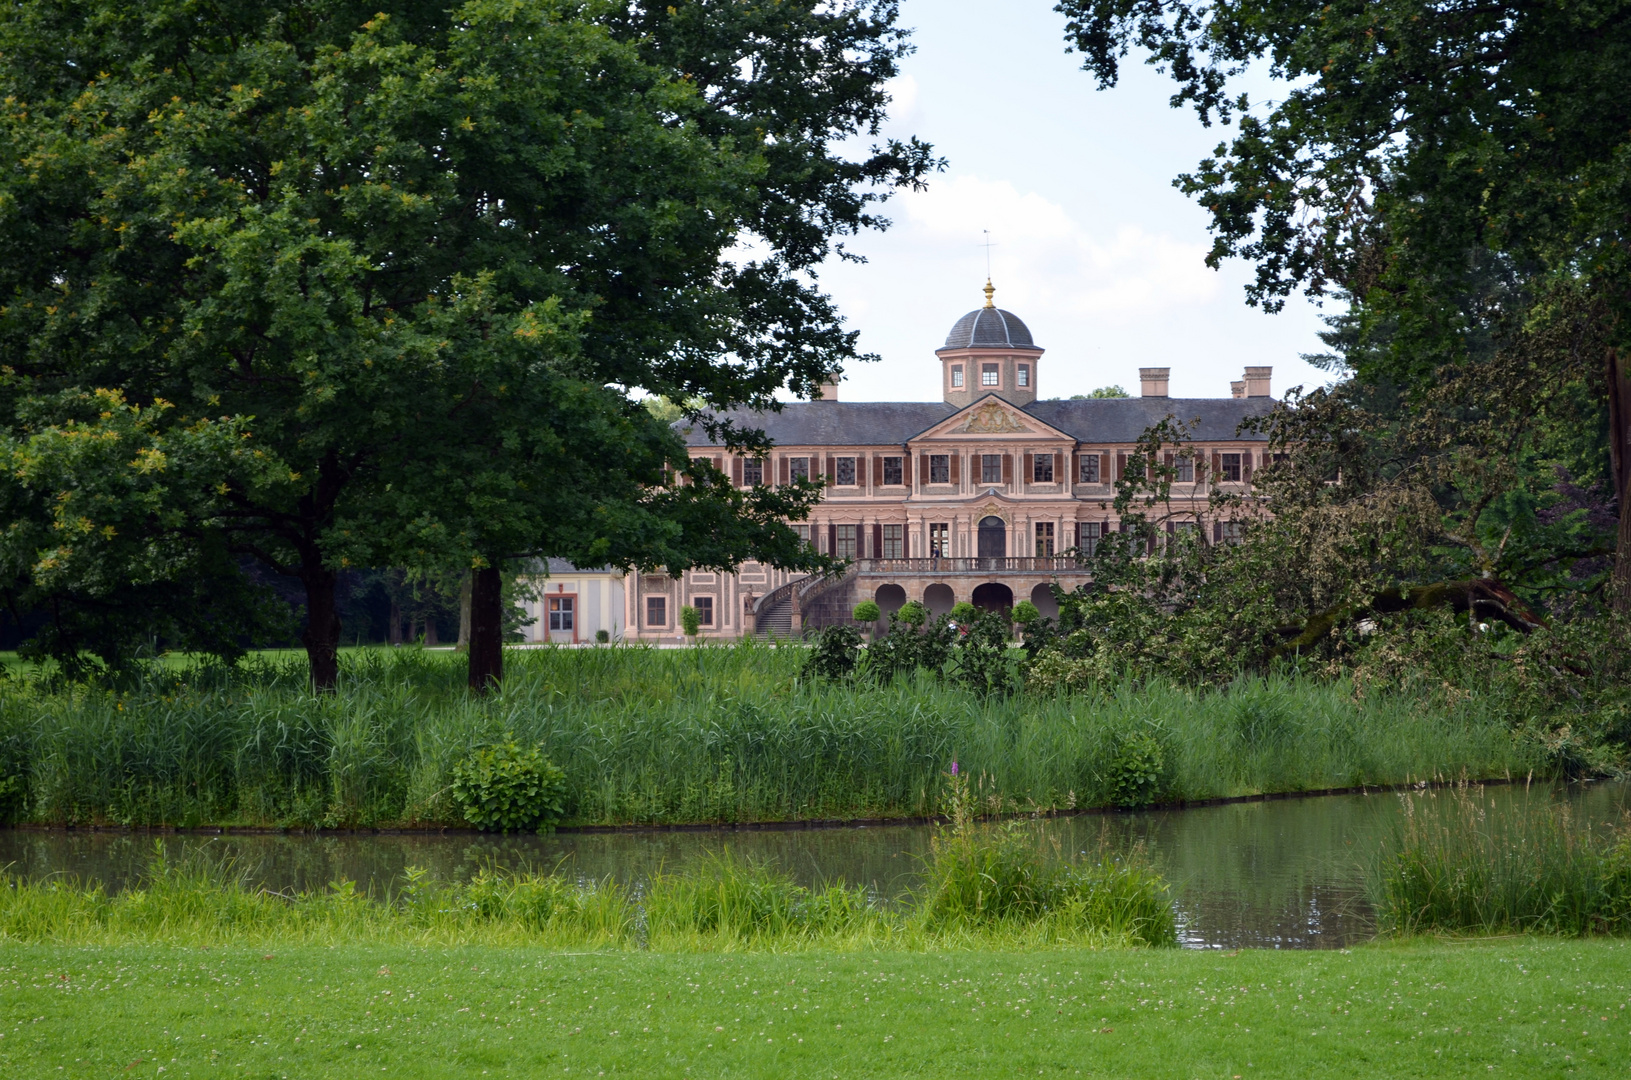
1257	381
1237	388
829	391
1153	380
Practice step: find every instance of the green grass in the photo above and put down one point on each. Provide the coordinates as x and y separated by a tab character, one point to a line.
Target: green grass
719	734
722	903
1517	1008
1459	863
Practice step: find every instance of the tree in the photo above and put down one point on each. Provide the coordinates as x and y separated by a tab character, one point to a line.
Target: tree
1419	151
386	246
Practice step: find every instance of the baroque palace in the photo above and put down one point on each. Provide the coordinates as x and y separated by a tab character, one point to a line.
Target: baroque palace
985	495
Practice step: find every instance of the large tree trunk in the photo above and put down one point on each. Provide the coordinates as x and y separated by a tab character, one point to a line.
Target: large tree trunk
486	629
1619	438
322	636
464	614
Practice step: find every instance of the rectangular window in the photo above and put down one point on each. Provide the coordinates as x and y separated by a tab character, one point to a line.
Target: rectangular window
939	540
956	376
753	472
845	472
1090	469
804	533
893	468
1042	469
939	468
1231	532
1024	375
1089	533
988	374
1184	466
705	609
990	468
846	542
891	541
1230	469
656	611
800	468
561	612
1044	539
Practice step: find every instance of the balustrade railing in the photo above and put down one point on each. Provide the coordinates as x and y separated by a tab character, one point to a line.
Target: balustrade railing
1035	564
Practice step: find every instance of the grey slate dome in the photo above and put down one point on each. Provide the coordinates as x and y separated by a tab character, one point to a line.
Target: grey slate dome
989	327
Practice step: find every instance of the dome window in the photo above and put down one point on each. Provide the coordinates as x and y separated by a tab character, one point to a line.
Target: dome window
988	375
957	376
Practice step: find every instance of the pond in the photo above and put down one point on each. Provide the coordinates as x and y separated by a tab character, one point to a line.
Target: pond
1277	873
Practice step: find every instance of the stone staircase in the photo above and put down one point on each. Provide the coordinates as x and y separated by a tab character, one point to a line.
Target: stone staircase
808	602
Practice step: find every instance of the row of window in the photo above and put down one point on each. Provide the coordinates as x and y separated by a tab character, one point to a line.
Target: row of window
892	472
846	538
657	610
991	376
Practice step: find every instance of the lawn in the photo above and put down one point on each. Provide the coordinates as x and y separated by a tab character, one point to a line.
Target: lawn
1516	1007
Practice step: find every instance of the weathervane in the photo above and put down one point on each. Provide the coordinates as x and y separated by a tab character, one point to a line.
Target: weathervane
989	290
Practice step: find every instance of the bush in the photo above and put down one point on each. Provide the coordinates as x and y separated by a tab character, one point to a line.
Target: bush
690	620
602	637
963	612
867	611
836	651
13	798
1134	775
1026	613
506	788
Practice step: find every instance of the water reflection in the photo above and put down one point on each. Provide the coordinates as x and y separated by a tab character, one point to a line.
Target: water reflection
1285	873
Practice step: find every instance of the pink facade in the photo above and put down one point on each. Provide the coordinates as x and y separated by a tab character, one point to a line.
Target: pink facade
985	495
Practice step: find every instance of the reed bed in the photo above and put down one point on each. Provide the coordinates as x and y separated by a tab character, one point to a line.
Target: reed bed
703	735
1461	863
718	904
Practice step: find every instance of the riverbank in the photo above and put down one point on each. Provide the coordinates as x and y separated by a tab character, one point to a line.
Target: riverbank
722	735
1512	1007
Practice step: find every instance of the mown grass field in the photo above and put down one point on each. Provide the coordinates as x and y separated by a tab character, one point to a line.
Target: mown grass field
1525	1007
713	734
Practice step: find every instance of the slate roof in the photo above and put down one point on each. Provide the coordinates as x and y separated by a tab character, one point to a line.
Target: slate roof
556	566
892	423
1123	420
837	423
989	326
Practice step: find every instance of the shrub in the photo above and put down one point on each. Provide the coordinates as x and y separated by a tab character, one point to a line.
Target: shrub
690	620
602	636
836	651
508	787
1026	613
963	612
1134	774
867	611
13	798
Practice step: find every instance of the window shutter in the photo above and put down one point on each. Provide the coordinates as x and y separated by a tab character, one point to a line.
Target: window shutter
1121	464
877	540
877	470
923	468
906	542
1246	466
832	538
957	468
1008	468
1058	465
736	471
1168	458
1217	532
1104	468
1171	528
785	470
832	469
1028	470
1217	463
719	462
1075	467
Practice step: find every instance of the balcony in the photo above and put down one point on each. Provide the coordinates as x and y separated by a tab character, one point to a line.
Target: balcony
1040	564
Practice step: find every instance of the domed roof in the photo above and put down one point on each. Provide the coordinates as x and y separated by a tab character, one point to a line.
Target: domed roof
989	327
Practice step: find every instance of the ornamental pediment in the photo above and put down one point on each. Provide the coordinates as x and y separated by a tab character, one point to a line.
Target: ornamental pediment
992	416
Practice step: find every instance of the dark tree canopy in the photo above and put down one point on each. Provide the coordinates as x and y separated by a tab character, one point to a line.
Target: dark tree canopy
1458	169
404	267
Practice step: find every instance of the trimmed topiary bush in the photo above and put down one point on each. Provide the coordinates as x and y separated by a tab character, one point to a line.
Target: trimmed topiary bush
867	611
510	788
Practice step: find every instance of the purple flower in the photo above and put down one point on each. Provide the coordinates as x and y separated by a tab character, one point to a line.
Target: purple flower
954	768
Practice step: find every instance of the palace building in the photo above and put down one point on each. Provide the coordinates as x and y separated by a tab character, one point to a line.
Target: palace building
984	495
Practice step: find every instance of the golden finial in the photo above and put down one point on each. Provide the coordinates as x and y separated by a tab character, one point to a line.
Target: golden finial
989	291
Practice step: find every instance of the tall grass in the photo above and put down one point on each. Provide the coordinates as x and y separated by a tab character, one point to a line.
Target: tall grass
1459	865
719	904
714	734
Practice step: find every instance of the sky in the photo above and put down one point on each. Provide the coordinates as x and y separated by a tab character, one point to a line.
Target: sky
1092	246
